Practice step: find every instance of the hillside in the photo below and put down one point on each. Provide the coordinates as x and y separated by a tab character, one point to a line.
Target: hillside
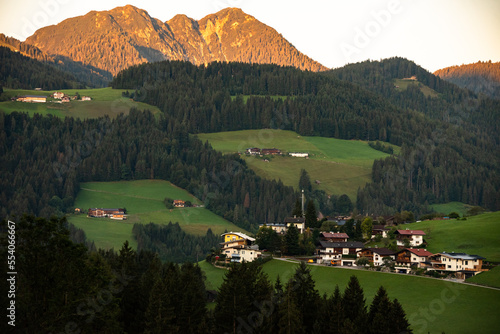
340	166
480	77
124	36
143	200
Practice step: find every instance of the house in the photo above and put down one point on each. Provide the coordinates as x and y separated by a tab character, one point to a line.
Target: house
32	98
270	151
414	237
65	99
376	255
253	151
299	154
463	265
279	228
380	230
334	237
179	203
239	247
86	98
77	210
100	212
118	216
409	257
58	95
298	222
339	253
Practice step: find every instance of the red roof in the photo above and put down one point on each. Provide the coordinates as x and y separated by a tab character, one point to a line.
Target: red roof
411	232
335	235
419	251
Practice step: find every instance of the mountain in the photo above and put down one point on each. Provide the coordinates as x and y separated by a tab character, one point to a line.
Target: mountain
87	74
116	39
480	77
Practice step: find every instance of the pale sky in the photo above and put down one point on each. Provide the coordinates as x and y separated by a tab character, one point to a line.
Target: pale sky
433	33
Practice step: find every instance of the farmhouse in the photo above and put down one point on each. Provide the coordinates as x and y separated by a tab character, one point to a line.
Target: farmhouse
298	222
270	151
65	99
239	247
179	203
100	212
86	98
463	265
379	230
414	237
279	228
32	98
376	255
58	95
253	150
334	237
339	253
299	154
409	257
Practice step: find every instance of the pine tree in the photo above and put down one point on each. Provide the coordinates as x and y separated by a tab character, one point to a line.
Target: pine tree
305	295
311	218
291	319
398	323
305	181
353	302
292	240
378	319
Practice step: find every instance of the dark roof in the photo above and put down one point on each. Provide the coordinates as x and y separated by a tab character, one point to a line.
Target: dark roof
382	251
410	232
334	235
349	244
419	251
35	96
380	228
295	220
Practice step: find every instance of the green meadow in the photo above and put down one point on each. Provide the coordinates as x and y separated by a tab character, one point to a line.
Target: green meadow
105	101
476	235
340	166
143	200
431	305
447	208
402	84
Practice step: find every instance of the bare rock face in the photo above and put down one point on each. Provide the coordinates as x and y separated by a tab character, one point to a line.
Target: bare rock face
124	36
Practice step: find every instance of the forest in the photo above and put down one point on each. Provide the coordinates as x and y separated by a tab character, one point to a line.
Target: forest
63	287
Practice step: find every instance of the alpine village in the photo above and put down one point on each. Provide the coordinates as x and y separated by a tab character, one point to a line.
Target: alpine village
205	176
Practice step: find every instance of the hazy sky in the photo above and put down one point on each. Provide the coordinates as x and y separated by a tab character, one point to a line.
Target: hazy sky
433	33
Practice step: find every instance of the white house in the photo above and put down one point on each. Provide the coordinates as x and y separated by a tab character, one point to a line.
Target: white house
299	154
413	257
339	253
238	246
376	255
464	265
415	237
279	228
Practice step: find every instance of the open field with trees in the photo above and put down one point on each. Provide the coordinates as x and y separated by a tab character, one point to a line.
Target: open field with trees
144	202
105	101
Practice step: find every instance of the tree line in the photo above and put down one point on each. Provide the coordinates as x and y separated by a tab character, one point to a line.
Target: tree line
62	286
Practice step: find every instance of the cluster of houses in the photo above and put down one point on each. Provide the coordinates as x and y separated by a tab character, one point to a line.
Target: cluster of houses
274	151
117	214
56	95
335	249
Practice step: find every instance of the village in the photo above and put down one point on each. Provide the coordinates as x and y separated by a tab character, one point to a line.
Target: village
58	97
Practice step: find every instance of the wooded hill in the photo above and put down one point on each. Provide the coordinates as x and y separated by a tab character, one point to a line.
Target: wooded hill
480	77
446	141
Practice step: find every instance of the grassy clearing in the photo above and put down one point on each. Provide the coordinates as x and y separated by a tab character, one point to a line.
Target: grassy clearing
447	208
488	278
215	276
273	97
450	307
402	84
143	200
476	235
341	166
105	101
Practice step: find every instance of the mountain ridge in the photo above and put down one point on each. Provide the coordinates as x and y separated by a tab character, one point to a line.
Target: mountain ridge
124	36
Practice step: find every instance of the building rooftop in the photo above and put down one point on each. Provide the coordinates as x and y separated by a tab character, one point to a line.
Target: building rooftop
410	232
462	256
242	235
349	244
419	251
334	235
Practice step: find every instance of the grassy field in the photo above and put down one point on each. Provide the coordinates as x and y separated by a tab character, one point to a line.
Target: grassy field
341	166
476	235
447	208
143	200
431	305
105	101
273	97
426	90
488	278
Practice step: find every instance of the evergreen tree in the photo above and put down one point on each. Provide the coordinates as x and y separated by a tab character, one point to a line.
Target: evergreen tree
305	181
297	210
399	323
378	319
305	295
291	319
354	306
292	240
311	218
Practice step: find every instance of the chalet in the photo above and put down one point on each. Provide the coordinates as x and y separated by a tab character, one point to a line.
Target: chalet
376	255
380	230
270	151
253	151
298	222
86	98
100	212
279	228
179	203
414	237
339	253
77	210
32	98
299	154
65	99
410	257
118	216
239	247
463	265
334	237
58	95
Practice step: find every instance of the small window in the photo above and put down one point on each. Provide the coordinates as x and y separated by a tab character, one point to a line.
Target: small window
466	262
449	266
